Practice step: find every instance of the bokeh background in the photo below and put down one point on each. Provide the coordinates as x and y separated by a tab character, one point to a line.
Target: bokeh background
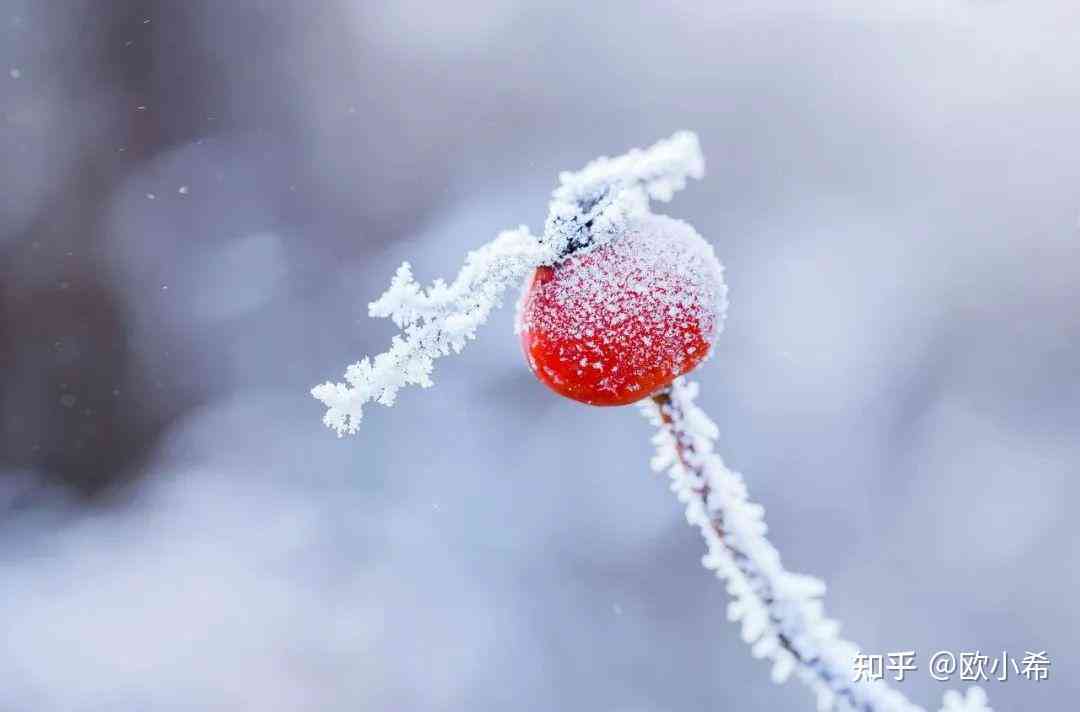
199	199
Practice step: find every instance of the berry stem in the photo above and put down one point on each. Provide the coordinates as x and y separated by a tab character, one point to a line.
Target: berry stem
781	612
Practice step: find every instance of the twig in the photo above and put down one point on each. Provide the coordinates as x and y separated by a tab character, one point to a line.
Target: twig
781	612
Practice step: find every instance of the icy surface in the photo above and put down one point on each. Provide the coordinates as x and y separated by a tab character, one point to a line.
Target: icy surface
588	209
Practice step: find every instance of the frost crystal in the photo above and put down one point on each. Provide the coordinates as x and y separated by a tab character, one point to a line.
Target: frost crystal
434	322
587	209
781	613
593	205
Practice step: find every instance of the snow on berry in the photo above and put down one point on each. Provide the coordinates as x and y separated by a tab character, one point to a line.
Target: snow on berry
589	208
617	323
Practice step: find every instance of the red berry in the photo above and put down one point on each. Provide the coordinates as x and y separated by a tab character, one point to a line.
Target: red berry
618	323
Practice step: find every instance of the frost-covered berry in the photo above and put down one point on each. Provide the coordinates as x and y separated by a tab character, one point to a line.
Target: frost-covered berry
617	323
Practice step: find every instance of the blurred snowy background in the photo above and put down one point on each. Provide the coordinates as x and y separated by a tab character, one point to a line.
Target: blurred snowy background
200	198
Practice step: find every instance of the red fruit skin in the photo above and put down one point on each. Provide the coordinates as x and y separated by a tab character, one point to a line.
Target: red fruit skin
615	344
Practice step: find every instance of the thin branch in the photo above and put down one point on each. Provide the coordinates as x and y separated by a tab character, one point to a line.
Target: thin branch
781	613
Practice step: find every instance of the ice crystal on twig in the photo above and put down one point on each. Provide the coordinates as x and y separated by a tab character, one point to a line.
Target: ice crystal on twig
434	322
587	209
781	613
592	205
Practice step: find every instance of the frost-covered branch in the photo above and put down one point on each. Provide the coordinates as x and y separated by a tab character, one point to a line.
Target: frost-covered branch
781	613
591	205
588	208
434	322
